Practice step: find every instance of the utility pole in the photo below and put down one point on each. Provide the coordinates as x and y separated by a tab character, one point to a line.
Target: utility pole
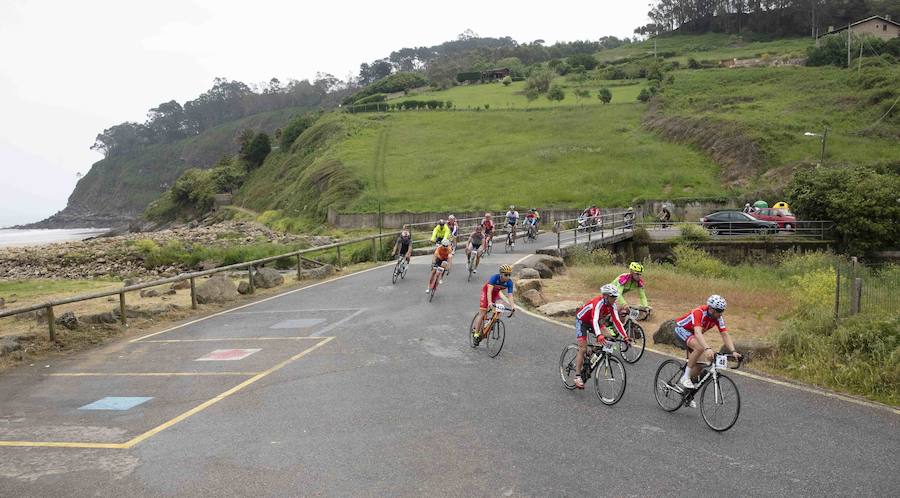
824	141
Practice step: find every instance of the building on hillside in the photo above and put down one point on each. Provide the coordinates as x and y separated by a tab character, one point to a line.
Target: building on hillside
495	74
881	26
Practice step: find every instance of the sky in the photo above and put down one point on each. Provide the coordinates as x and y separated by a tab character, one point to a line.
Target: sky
68	70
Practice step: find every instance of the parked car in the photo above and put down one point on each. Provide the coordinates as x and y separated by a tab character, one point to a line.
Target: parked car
783	217
736	222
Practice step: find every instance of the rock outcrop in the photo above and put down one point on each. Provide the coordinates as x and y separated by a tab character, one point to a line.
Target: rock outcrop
665	334
266	278
560	308
216	290
534	298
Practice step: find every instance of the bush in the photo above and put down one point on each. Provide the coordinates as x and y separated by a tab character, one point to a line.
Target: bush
696	262
377	97
814	292
255	152
604	95
586	61
693	233
692	63
644	96
580	255
556	93
539	81
506	81
194	189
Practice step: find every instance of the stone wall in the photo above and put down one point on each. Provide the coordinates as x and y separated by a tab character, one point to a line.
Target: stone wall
736	252
397	220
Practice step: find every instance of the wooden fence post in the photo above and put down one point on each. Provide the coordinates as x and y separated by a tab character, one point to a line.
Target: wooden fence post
193	294
51	321
857	296
250	272
339	265
122	317
837	290
298	267
374	251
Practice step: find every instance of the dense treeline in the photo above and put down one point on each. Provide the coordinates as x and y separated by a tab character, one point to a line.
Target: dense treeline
225	101
779	17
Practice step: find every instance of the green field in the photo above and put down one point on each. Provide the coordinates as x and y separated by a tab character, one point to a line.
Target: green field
709	47
497	96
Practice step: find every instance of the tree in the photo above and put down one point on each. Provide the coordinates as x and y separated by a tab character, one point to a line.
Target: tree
555	93
586	61
539	81
255	151
581	93
294	129
645	95
860	200
506	81
604	95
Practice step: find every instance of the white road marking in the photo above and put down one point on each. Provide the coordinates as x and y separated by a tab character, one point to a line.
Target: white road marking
337	323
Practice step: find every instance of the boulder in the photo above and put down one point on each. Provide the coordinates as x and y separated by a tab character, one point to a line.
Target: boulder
149	293
170	292
99	318
556	264
543	270
266	278
319	272
560	308
534	298
216	290
181	284
244	287
8	344
2	302
751	349
208	265
529	284
68	320
128	282
528	274
665	334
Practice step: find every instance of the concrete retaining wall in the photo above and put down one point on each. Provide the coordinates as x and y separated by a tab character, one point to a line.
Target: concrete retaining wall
397	220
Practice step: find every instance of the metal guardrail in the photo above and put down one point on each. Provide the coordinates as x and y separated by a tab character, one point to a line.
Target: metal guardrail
818	229
611	221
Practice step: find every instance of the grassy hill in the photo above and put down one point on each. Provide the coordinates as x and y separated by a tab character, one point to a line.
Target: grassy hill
708	133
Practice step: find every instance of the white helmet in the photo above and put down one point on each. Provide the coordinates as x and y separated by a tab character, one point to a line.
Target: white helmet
717	302
451	217
445	242
610	290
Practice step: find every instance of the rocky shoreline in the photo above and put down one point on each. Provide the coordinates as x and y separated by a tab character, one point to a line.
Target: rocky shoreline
119	255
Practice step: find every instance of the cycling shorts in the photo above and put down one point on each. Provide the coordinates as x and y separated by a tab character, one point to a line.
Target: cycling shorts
486	300
582	329
512	223
438	262
683	336
475	246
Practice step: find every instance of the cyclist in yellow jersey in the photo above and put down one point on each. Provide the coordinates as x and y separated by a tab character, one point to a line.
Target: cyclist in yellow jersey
441	231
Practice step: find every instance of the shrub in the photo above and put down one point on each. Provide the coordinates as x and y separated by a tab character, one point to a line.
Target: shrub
376	97
604	95
580	255
692	63
586	61
539	81
506	81
693	233
813	292
556	93
255	152
644	96
696	262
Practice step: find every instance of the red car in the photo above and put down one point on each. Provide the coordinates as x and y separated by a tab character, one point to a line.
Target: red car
785	219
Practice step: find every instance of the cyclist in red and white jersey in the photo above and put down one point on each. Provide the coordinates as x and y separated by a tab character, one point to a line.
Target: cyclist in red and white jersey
588	320
488	225
689	330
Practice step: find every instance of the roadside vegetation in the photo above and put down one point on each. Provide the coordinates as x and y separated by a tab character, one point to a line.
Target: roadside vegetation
787	303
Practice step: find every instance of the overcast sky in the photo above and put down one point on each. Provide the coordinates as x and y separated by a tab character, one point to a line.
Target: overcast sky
70	69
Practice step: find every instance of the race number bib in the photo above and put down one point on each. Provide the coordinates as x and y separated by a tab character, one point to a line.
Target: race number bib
721	361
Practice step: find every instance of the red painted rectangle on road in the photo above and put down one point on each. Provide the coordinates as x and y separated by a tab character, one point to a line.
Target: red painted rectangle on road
228	355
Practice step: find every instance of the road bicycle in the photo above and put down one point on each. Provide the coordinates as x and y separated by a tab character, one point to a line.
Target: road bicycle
400	269
632	351
472	264
530	233
720	401
489	246
508	246
601	363
493	333
437	280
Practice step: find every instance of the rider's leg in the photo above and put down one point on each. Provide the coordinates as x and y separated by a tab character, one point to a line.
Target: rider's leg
693	356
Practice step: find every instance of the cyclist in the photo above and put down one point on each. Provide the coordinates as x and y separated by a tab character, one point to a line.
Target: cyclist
588	320
441	256
512	217
491	292
475	244
488	225
629	281
591	216
454	230
628	218
532	218
441	231
689	330
403	245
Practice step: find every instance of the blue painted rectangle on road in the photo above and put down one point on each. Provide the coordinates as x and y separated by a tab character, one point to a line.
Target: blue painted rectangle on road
116	403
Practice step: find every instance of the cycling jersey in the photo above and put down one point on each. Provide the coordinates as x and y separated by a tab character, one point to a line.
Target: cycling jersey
512	217
626	283
593	311
440	232
494	287
698	317
454	229
403	244
476	239
442	254
532	218
488	226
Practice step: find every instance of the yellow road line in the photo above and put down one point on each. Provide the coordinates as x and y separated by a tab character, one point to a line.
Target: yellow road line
276	296
807	389
199	408
148	374
289	338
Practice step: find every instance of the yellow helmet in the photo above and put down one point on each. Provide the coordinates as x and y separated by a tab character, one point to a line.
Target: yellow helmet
505	268
636	267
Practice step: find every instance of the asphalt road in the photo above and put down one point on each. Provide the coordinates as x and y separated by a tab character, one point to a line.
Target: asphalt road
398	404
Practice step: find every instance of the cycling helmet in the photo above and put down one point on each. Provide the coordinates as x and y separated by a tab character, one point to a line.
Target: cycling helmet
609	290
487	215
442	222
505	268
532	210
512	207
716	301
451	217
445	242
636	267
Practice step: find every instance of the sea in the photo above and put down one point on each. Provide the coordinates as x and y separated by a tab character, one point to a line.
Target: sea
10	237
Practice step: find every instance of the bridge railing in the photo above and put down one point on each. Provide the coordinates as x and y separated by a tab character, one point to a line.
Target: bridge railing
816	229
585	228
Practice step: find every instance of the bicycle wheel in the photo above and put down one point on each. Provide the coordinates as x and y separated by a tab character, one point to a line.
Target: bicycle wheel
720	403
634	350
433	291
667	395
469	269
496	338
396	274
405	268
472	327
487	250
567	370
609	380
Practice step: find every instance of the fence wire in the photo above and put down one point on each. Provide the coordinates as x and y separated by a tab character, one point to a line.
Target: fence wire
866	288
